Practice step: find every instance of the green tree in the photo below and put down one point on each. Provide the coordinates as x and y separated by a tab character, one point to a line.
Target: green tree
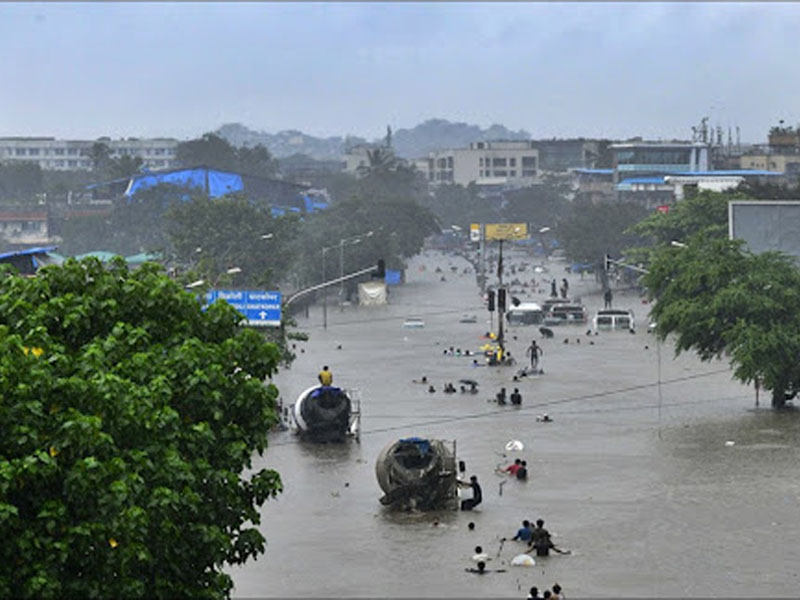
20	182
542	205
128	416
100	155
214	236
216	152
718	298
256	161
705	211
210	150
124	166
105	167
594	230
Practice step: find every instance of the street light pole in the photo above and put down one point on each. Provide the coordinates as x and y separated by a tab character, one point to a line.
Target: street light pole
500	312
324	294
342	243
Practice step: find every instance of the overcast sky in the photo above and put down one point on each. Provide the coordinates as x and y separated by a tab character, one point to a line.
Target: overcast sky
557	70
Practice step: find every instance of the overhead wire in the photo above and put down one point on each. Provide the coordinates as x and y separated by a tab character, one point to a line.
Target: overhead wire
502	412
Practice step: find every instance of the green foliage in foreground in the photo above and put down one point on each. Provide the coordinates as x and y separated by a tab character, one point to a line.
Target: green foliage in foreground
718	298
127	418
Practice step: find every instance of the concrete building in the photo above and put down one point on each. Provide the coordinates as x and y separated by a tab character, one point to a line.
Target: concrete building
485	163
640	168
768	160
648	159
594	185
780	155
69	155
24	226
559	156
715	181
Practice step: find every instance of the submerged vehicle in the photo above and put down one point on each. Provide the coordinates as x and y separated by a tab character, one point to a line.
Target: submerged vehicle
614	318
566	313
325	413
418	473
525	313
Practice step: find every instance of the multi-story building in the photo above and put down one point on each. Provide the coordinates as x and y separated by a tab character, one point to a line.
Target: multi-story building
67	155
559	156
485	163
766	159
640	167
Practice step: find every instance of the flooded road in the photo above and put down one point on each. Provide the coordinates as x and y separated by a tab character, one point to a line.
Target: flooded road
638	480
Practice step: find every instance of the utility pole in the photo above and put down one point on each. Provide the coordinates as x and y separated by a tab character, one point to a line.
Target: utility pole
501	304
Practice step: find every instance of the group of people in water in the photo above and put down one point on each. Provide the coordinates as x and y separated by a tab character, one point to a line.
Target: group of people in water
539	542
515	397
468	386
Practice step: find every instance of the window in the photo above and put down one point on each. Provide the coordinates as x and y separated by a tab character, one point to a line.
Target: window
72	163
449	162
512	162
159	151
20	152
528	173
512	173
59	151
33	152
441	163
480	162
499	162
72	151
529	161
501	173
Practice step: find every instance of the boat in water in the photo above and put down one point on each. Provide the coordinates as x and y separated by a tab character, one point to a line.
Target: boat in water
325	413
418	474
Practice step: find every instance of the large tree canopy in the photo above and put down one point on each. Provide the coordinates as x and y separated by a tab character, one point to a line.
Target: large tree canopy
216	152
216	235
20	182
127	418
705	211
594	230
718	298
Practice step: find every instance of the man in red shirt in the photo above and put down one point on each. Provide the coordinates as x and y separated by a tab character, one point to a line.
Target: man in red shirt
512	469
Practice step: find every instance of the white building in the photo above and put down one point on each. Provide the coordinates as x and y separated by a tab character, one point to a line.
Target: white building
67	155
485	163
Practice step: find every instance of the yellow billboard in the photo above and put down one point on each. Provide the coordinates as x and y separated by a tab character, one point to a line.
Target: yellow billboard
506	231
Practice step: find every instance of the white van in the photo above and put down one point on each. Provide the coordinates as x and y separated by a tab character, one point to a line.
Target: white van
614	318
525	313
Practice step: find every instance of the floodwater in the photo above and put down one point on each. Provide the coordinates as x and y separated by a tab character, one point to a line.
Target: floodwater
638	480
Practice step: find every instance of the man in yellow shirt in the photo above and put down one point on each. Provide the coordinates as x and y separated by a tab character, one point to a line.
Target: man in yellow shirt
325	376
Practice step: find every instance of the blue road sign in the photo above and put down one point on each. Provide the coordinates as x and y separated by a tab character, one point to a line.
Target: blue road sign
260	308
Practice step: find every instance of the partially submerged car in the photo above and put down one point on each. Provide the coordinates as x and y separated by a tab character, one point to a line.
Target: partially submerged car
614	318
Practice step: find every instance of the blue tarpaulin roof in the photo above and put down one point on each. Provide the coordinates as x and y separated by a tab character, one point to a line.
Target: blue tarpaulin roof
213	182
632	180
595	171
27	251
730	172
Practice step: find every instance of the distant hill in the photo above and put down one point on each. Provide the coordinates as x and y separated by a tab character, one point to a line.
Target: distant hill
440	134
433	134
290	142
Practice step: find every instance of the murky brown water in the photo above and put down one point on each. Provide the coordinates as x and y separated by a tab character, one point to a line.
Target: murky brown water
644	491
